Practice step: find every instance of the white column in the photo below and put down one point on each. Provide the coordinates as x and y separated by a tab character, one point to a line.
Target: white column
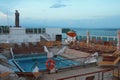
88	37
107	38
118	39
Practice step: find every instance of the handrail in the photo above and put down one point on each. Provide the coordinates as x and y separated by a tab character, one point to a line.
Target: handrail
99	36
103	71
12	54
96	36
44	37
18	66
6	63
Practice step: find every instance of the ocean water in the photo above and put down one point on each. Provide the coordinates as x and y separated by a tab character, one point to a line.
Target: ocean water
105	33
98	32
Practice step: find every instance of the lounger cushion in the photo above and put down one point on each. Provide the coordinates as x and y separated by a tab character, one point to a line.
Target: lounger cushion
109	58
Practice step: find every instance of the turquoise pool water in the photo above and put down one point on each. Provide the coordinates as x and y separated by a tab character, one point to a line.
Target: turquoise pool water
28	63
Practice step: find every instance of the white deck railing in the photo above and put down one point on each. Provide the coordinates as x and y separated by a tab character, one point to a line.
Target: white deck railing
106	38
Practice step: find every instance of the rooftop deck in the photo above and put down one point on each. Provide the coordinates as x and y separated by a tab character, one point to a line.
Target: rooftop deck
78	72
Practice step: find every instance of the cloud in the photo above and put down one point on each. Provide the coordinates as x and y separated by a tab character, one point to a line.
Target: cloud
3	18
3	15
58	5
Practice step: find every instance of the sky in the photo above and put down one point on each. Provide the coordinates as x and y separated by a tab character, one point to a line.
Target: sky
62	13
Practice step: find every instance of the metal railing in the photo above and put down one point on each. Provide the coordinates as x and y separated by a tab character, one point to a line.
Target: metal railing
100	75
104	38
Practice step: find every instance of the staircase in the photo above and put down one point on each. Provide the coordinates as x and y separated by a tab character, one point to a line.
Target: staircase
45	37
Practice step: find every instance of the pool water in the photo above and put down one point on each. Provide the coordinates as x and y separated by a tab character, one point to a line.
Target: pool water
29	63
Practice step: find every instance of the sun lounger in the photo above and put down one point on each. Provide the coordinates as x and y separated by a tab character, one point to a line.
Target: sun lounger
90	78
109	63
117	52
57	43
49	44
109	58
37	75
10	76
34	75
3	75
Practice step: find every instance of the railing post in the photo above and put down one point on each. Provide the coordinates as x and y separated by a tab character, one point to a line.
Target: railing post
96	37
78	37
101	37
113	75
81	37
102	75
107	38
90	37
114	37
75	78
98	75
118	71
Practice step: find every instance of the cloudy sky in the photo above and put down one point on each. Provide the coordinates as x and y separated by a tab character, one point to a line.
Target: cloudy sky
62	13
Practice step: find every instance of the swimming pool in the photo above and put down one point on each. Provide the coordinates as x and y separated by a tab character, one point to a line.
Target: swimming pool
27	63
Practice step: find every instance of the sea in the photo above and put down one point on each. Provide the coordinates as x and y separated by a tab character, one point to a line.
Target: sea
97	32
105	32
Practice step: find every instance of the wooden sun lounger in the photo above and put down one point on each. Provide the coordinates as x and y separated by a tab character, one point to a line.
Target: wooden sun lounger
34	75
37	74
117	52
109	63
90	78
3	75
49	44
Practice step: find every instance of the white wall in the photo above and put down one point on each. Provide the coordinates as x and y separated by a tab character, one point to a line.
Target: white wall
18	35
17	30
19	38
53	32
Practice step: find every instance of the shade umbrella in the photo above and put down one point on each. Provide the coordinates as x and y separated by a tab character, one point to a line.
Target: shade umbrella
71	34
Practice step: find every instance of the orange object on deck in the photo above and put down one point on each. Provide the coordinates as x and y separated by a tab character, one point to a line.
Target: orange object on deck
71	34
50	64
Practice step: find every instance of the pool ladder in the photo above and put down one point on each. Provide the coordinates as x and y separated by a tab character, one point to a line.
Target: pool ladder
12	56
